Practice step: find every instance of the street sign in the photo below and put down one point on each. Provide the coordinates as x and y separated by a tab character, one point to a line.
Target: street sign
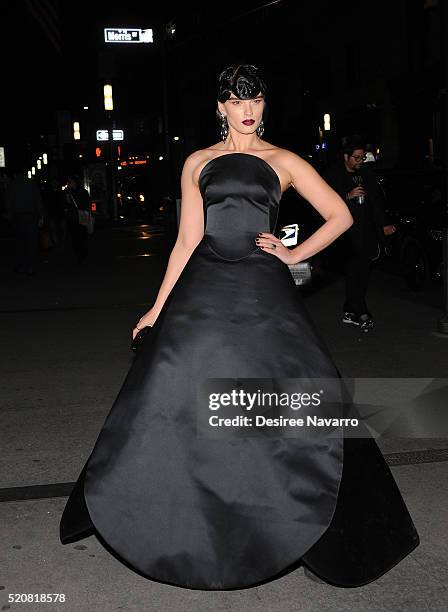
2	157
104	134
127	35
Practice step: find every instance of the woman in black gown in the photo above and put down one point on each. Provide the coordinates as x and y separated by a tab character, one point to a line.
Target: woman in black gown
233	512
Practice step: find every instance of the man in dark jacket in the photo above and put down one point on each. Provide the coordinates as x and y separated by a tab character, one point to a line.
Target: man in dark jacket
362	242
23	207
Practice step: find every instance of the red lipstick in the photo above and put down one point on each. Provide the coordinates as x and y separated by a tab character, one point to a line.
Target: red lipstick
249	121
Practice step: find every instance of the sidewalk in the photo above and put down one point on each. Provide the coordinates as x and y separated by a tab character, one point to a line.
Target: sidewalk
66	334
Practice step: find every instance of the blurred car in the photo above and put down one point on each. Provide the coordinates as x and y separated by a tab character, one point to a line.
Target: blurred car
133	198
162	212
414	203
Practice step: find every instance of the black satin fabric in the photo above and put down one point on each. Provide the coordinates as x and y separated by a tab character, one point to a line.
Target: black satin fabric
235	512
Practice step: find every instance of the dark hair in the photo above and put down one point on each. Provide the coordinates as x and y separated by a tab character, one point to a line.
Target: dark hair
351	143
245	81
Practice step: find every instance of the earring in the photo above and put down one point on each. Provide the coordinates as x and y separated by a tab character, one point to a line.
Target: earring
260	129
224	127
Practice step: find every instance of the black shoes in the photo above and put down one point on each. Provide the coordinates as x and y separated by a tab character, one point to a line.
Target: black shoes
364	321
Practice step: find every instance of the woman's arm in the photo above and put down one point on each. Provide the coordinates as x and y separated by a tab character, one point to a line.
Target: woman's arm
191	231
306	181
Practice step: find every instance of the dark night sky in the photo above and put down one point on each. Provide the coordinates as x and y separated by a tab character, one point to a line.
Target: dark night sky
38	82
372	52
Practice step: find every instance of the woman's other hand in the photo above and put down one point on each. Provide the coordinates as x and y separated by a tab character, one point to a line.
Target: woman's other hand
148	319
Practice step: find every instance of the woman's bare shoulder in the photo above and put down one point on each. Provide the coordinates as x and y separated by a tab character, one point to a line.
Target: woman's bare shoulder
199	156
293	162
196	161
202	154
285	156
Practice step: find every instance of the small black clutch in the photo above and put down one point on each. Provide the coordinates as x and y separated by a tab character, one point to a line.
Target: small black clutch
138	340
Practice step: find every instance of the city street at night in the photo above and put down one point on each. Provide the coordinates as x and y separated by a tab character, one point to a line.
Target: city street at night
224	306
76	324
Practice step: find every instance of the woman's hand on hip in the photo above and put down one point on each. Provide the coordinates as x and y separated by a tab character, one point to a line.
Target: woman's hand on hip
273	245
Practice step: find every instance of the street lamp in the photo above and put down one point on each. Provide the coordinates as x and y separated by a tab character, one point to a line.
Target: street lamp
39	164
45	158
76	131
33	170
29	174
109	107
326	122
108	99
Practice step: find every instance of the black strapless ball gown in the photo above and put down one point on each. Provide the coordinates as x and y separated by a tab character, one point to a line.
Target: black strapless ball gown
233	513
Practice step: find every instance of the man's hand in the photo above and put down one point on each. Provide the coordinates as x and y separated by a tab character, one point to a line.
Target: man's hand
355	192
389	229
